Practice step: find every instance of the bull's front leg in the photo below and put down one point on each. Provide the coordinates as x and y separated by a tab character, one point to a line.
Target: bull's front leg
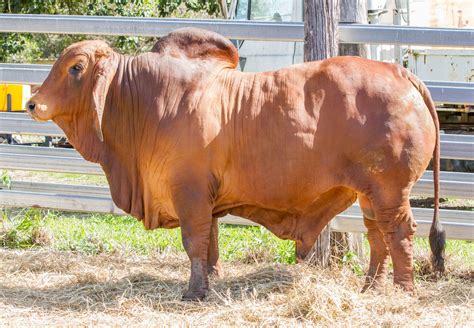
195	215
213	265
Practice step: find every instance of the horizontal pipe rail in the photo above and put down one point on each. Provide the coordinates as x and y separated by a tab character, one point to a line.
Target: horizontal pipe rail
46	159
58	188
451	94
441	92
457	137
458	224
449	83
21	123
69	160
457	150
24	73
452	146
453	184
233	29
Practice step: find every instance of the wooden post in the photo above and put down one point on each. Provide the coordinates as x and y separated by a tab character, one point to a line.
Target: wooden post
320	42
320	29
353	11
224	10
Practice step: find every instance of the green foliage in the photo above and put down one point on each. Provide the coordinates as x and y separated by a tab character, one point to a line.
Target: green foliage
352	260
18	231
40	47
6	180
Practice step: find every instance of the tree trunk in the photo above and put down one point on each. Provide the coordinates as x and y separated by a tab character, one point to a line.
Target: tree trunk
320	29
321	18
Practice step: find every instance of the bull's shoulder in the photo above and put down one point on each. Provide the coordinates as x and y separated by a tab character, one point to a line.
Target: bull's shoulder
195	43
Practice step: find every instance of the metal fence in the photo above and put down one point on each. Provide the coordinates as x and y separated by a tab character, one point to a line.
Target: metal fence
459	224
233	29
442	92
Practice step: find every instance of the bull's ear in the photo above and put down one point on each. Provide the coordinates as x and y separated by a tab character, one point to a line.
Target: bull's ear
104	72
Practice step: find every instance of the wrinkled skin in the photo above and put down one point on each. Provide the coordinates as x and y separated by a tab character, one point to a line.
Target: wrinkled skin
184	138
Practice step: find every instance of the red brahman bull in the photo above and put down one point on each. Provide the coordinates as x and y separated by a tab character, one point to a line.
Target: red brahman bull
184	139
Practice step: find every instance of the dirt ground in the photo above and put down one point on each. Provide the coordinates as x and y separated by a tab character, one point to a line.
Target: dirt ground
41	287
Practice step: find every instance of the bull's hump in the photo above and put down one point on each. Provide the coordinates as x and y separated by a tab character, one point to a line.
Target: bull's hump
195	43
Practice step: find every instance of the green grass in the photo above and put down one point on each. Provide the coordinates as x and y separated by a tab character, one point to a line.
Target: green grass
96	233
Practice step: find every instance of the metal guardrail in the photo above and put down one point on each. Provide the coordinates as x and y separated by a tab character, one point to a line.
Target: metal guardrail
453	184
233	29
457	226
451	95
20	123
68	160
454	84
452	146
46	160
441	92
457	149
24	73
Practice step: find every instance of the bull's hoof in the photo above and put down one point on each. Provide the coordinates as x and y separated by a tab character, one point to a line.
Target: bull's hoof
193	296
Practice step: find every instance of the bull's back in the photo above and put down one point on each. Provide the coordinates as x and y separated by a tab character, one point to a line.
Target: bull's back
304	130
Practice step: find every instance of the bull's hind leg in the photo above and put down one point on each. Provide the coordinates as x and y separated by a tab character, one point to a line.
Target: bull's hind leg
395	221
379	252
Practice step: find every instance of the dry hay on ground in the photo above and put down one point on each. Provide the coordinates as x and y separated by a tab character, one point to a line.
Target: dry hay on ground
58	288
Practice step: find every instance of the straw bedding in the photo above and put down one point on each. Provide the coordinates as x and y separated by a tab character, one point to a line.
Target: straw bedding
58	288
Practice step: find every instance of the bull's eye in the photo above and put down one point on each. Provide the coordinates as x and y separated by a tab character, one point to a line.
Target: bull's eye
76	69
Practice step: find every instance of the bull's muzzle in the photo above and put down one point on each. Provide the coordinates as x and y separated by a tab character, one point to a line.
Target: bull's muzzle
36	111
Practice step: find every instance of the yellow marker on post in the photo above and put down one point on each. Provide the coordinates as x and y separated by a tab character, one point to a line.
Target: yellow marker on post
13	97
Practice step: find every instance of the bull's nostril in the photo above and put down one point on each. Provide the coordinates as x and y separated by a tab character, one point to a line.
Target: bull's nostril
31	106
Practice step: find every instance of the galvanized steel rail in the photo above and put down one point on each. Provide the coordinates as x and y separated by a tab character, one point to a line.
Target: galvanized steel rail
453	185
21	123
233	29
68	160
441	92
458	224
452	146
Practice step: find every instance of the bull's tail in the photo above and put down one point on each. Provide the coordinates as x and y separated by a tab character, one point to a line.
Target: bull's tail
437	233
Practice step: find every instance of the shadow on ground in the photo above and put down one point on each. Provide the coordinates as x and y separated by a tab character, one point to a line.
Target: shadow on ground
158	293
